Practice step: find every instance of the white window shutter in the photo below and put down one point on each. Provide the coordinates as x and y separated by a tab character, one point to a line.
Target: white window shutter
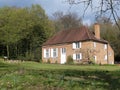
80	55
44	53
80	44
74	46
74	56
56	52
105	46
105	58
51	52
94	44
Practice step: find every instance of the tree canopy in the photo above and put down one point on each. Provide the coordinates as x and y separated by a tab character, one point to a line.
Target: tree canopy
23	30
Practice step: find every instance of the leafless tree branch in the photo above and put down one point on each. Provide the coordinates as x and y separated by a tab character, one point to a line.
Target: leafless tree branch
109	8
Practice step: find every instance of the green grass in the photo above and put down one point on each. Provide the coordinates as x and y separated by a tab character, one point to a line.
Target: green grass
38	76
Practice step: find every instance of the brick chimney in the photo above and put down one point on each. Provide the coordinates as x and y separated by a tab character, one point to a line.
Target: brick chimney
97	30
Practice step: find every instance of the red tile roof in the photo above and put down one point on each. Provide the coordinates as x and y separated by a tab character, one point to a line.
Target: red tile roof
73	35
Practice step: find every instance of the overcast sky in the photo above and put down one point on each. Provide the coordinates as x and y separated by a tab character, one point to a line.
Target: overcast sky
51	6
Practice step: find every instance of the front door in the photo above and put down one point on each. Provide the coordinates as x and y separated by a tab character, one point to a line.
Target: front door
63	55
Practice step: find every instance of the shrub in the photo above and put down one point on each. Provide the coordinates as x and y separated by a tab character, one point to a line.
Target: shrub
48	61
69	60
92	61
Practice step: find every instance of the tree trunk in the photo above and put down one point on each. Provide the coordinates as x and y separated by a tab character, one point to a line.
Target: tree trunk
8	51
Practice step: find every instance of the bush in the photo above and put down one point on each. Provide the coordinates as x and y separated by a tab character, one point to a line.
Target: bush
48	61
91	61
69	60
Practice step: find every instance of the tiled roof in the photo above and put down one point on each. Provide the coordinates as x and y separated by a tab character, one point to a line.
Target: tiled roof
73	35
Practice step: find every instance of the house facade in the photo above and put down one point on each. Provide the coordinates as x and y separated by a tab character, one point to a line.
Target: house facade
81	44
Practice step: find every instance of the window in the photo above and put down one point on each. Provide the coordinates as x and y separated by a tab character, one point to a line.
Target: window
76	45
105	46
46	53
55	52
77	56
95	58
94	44
63	50
105	58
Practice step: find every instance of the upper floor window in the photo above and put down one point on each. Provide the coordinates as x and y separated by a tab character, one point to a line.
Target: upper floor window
63	50
105	46
76	45
94	44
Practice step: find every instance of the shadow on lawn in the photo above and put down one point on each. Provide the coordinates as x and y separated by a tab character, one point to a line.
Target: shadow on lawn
109	80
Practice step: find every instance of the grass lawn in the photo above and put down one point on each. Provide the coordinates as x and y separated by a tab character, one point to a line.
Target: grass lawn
38	76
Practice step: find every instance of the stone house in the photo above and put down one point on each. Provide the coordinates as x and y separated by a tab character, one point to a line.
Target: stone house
81	44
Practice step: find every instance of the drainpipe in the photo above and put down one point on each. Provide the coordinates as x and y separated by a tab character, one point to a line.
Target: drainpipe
107	55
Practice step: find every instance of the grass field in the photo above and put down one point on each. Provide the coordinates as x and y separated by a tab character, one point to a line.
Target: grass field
38	76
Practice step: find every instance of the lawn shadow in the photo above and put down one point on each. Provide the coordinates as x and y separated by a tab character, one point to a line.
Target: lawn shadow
109	80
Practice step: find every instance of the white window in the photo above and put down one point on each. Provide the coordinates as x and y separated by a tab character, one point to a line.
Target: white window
55	52
105	46
76	45
105	58
52	53
46	53
94	44
95	58
77	56
74	56
63	50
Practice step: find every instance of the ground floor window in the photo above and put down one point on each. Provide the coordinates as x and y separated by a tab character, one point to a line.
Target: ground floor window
46	53
105	57
55	52
77	56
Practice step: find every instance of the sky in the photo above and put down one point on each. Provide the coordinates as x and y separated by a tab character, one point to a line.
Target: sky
51	6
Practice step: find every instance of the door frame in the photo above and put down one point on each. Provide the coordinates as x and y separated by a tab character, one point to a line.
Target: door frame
63	55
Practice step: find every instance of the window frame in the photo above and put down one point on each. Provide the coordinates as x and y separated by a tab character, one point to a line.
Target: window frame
76	45
94	45
46	53
105	57
105	46
55	52
77	56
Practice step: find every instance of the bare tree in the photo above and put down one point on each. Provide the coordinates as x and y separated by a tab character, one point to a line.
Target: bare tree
109	8
66	21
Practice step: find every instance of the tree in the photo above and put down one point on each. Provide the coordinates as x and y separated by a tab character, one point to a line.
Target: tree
23	31
108	8
42	29
66	21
